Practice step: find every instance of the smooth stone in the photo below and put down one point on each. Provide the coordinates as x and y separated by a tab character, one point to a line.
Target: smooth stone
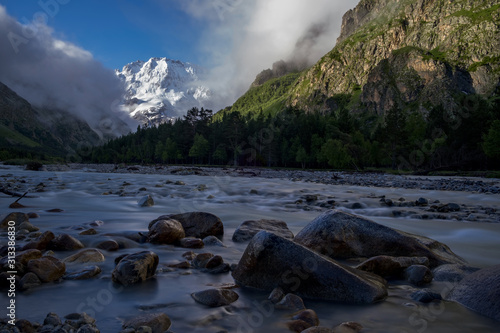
47	269
480	292
291	302
391	267
84	256
108	245
341	235
21	260
418	275
88	232
297	325
41	243
270	261
166	232
197	224
135	268
308	315
65	242
28	281
17	217
28	226
212	241
191	243
248	229
158	322
215	297
318	329
146	201
348	327
52	319
201	260
87	273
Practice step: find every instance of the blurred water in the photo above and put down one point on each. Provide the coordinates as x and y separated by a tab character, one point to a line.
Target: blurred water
81	197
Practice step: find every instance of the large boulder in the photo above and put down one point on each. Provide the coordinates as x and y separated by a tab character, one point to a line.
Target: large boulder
341	235
135	268
167	231
480	291
271	261
248	229
197	224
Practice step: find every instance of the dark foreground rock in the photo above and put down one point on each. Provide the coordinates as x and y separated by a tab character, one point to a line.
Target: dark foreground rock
158	322
341	235
47	269
197	224
271	261
167	231
248	229
135	268
480	291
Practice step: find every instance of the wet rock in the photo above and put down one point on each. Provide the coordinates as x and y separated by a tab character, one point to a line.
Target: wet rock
158	322
25	326
79	321
28	281
276	295
65	242
17	217
201	260
182	265
308	315
248	229
425	296
422	202
190	255
47	269
146	201
271	261
418	275
28	226
451	207
88	232
179	182
52	319
21	260
108	245
452	272
356	205
84	256
191	243
166	232
197	224
297	325
391	267
342	235
135	268
291	302
212	241
87	273
215	297
318	329
33	215
480	292
214	262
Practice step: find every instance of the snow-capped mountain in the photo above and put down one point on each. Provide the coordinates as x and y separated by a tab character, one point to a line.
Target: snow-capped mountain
162	89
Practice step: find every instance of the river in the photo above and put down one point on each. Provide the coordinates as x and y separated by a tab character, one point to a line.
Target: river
85	197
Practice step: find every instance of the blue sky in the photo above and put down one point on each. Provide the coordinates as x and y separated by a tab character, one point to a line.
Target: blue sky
117	32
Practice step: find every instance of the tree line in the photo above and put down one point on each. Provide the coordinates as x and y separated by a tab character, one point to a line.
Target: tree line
468	137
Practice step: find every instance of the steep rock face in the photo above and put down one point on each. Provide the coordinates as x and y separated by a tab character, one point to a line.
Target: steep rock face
162	89
463	34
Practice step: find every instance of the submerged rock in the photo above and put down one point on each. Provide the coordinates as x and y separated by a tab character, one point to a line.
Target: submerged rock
271	261
84	256
418	275
146	201
197	224
135	268
480	291
158	322
87	273
248	229
342	235
215	297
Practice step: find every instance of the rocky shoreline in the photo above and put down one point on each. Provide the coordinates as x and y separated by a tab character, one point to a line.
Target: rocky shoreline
462	184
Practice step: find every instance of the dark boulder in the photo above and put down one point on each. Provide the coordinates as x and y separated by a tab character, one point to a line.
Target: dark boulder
135	268
391	267
341	235
197	224
271	261
65	242
47	269
215	297
167	231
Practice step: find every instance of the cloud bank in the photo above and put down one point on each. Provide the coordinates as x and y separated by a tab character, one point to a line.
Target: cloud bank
52	73
244	37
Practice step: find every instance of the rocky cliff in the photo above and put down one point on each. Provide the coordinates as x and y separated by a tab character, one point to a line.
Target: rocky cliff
395	52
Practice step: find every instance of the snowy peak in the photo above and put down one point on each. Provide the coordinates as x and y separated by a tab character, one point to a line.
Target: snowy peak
161	89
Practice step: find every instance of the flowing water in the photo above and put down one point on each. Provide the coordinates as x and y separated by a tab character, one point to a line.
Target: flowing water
85	197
